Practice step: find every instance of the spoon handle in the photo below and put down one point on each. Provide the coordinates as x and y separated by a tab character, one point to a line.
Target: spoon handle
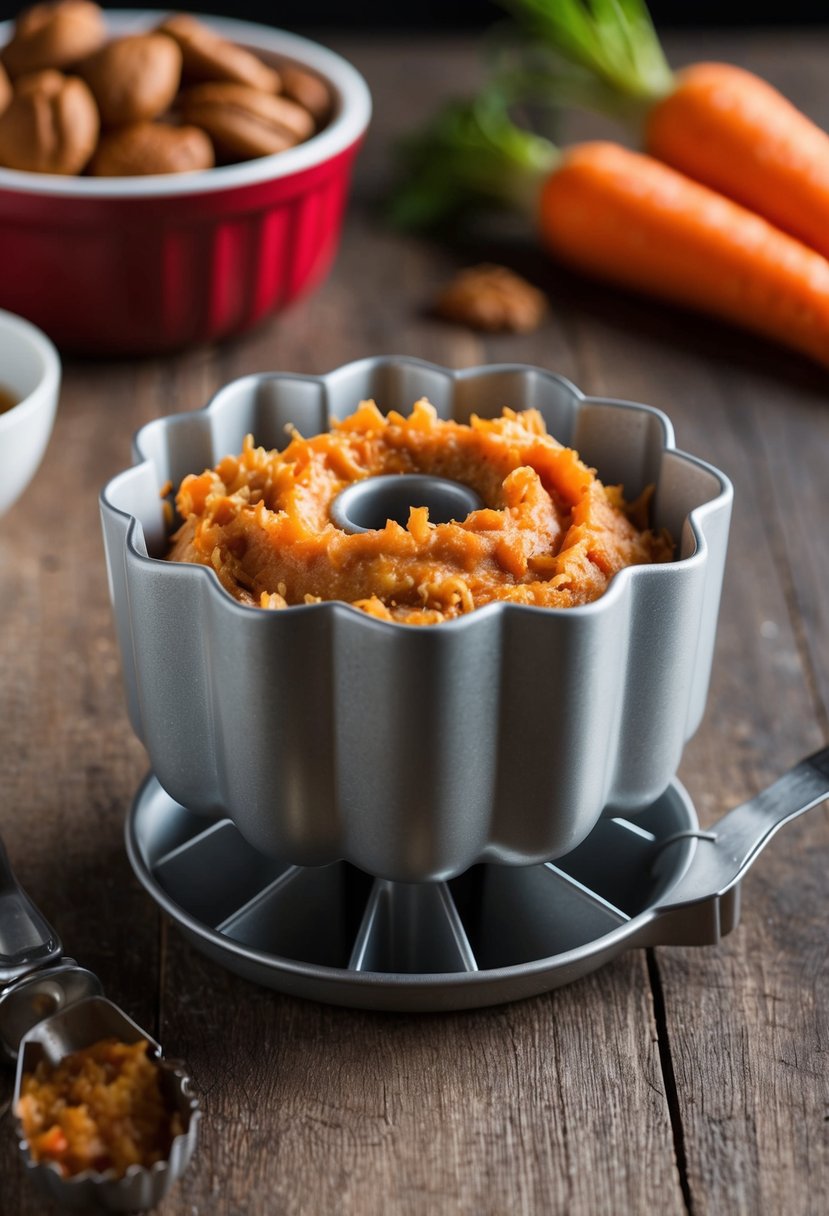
27	940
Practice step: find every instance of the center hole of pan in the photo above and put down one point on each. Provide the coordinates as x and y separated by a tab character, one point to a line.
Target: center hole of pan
366	505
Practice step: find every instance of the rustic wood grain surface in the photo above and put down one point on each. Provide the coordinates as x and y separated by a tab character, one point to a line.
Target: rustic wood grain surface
675	1080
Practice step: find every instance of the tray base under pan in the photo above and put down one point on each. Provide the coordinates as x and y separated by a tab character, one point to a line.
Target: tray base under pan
332	933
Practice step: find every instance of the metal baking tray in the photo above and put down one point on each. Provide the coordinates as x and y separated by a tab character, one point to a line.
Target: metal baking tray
496	933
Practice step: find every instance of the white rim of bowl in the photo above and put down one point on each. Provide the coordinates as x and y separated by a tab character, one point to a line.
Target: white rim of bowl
343	131
49	382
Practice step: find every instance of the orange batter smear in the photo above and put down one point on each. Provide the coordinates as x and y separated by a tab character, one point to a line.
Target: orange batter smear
550	534
99	1109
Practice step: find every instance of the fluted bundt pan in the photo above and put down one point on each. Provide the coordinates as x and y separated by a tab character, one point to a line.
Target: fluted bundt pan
414	752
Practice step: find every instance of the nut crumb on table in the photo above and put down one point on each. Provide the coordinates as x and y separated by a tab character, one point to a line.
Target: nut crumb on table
492	298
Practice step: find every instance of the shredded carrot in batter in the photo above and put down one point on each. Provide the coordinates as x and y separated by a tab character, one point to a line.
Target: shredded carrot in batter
550	534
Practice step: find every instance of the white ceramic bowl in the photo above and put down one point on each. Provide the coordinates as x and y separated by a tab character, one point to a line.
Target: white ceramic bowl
30	370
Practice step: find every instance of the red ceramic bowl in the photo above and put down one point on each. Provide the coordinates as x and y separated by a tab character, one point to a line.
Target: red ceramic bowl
134	265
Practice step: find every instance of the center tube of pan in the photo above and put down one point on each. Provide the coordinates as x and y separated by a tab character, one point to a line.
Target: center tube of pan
365	506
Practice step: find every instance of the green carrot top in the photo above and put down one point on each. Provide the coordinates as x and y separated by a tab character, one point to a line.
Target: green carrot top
470	154
612	41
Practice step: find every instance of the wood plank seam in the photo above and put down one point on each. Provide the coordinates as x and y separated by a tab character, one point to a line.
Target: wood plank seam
669	1079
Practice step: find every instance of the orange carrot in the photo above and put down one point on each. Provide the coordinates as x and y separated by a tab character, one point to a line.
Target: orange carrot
627	218
717	123
729	129
624	217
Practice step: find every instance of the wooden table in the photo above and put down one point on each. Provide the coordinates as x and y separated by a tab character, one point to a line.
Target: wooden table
672	1080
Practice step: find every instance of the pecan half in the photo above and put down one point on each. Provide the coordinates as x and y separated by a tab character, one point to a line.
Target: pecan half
242	122
492	298
54	35
308	90
50	127
133	78
5	89
152	147
207	56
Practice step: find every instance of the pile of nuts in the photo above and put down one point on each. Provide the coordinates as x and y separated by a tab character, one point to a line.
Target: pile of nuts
173	100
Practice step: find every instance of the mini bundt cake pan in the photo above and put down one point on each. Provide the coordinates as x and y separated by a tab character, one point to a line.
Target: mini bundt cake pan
415	751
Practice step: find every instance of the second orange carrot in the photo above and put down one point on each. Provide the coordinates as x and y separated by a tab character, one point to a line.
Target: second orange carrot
625	217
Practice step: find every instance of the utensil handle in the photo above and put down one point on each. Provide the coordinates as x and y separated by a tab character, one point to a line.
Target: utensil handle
725	852
27	940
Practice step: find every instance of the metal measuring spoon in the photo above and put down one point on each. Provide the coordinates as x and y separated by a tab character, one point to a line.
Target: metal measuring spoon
51	1007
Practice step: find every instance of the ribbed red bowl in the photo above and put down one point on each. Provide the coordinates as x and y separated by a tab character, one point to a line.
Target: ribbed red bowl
144	264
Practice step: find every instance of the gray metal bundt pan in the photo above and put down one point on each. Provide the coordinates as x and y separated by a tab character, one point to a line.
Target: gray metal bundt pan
415	752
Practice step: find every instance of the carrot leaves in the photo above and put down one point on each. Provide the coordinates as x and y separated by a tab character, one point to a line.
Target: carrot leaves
612	41
472	154
592	54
